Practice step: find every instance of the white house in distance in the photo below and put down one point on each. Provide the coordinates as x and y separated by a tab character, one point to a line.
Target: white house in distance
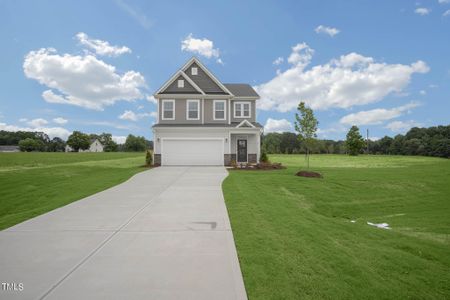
202	121
95	146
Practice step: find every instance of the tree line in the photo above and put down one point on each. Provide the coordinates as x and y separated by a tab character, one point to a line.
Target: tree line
39	141
432	141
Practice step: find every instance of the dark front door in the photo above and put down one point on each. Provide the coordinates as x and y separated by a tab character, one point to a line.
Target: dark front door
242	150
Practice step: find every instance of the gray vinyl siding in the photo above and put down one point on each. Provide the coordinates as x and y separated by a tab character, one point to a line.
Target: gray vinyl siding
252	112
204	82
209	112
180	113
174	89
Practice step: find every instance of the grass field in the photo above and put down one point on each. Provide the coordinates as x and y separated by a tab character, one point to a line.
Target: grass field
34	183
296	239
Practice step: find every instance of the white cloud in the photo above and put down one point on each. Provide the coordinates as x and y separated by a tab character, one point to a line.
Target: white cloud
136	14
60	120
39	122
444	1
446	13
132	116
151	99
402	126
50	131
101	47
202	47
376	116
423	11
81	80
351	80
119	139
273	125
327	30
422	92
278	61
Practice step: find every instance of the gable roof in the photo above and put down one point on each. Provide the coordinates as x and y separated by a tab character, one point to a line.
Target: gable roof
241	90
245	123
205	84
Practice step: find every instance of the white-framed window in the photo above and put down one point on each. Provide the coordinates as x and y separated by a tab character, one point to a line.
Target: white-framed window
219	109
242	110
168	109
194	71
193	109
180	83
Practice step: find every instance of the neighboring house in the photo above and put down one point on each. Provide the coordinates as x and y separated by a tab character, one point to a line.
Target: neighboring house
202	121
95	146
9	149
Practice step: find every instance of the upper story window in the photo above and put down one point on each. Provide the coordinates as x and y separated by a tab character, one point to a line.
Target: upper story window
194	71
181	83
168	109
193	109
219	109
242	110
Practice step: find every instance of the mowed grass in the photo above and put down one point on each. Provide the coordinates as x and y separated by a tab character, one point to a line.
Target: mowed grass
295	238
34	183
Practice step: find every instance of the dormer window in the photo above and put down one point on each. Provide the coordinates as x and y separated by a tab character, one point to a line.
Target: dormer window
242	110
180	83
194	71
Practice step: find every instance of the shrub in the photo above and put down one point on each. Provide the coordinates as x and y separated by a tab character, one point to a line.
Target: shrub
149	158
233	163
263	157
30	144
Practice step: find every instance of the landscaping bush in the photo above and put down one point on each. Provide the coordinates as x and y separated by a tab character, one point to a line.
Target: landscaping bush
264	157
149	158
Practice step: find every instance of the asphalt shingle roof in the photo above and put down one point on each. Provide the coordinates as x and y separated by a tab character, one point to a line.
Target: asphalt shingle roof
241	89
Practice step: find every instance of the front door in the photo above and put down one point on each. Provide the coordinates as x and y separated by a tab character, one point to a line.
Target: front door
242	150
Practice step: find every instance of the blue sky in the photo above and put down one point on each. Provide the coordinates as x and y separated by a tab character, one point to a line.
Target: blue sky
92	65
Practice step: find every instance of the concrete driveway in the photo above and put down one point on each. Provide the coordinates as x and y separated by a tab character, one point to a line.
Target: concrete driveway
163	234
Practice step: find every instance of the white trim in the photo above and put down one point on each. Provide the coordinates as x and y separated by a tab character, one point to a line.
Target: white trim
229	111
188	139
194	69
157	111
198	109
245	122
203	111
173	78
184	96
242	109
180	83
194	59
224	110
173	109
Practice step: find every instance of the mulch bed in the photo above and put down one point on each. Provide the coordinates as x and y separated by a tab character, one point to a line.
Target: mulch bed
260	166
309	174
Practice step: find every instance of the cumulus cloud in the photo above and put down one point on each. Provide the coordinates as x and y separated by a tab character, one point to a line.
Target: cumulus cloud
327	30
50	131
402	126
350	80
132	116
377	116
119	139
423	11
83	81
151	99
444	1
39	122
278	61
60	120
273	125
203	47
101	47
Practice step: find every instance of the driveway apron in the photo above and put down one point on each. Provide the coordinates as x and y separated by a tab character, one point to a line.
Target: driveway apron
163	234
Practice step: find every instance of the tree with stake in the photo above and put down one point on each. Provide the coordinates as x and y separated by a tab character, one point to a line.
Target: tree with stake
306	126
355	142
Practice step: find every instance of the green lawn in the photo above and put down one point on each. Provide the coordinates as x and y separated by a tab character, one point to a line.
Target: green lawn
295	238
34	183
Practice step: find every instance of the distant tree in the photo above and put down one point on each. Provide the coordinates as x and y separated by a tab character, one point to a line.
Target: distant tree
271	142
78	140
135	143
30	144
354	142
56	145
108	144
306	126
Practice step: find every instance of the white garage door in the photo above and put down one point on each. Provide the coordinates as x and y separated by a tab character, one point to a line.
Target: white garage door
190	152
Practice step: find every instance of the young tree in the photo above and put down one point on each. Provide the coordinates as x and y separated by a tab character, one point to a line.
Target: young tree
78	140
355	142
306	126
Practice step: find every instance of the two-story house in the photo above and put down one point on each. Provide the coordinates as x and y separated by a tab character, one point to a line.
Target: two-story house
202	121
